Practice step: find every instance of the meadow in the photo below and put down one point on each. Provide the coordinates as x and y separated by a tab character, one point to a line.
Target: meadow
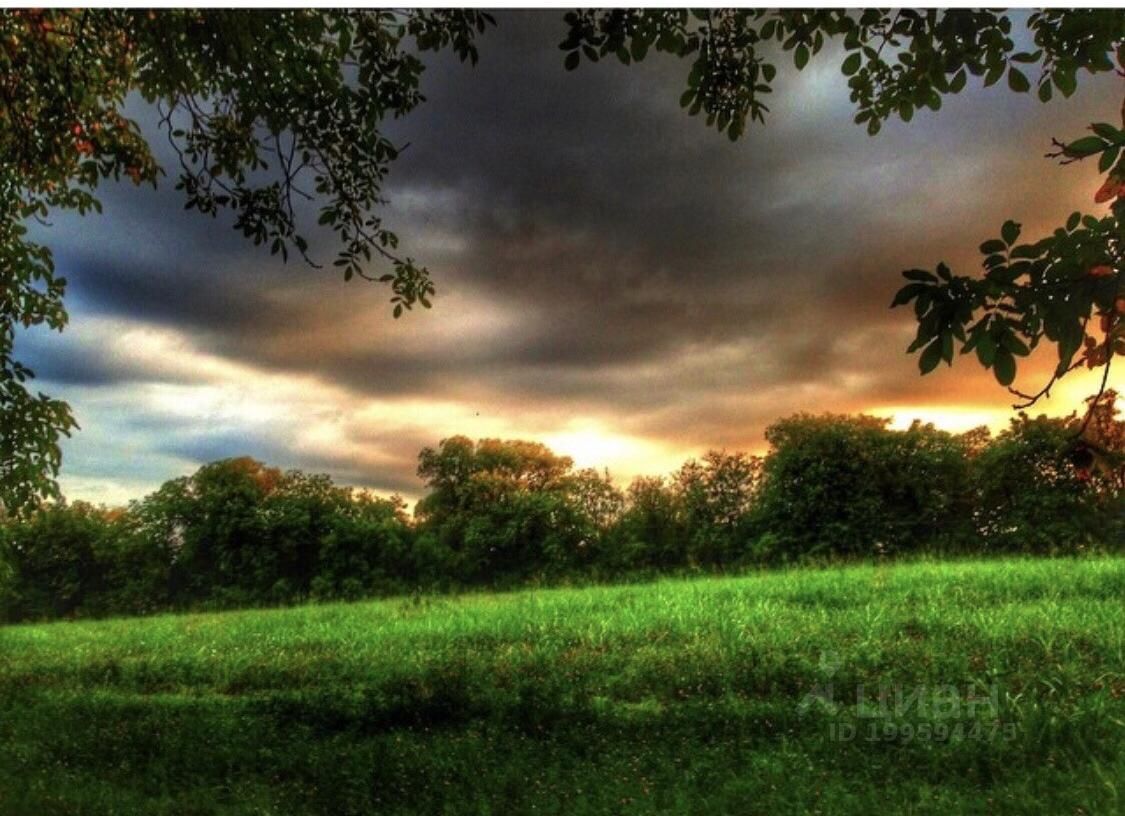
1003	686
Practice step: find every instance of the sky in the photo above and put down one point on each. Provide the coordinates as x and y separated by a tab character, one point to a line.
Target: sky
614	279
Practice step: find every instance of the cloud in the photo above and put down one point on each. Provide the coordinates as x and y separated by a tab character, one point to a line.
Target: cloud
603	262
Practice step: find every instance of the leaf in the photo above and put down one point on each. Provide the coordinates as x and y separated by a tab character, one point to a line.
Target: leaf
989	247
1014	345
801	57
851	64
571	61
930	357
1086	146
1017	81
1065	81
1004	367
986	350
908	293
1010	232
1045	91
1107	132
1108	158
919	275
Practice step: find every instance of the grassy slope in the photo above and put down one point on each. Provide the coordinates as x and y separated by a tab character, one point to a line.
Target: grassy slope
679	696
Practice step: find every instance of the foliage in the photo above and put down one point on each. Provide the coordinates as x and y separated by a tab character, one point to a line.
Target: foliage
715	496
504	513
671	697
265	111
595	499
53	561
365	549
502	508
243	532
1034	497
649	534
849	485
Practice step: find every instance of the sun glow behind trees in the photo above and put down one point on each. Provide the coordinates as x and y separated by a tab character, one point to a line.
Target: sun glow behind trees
195	395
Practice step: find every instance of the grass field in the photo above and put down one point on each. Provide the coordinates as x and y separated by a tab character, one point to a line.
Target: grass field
1004	688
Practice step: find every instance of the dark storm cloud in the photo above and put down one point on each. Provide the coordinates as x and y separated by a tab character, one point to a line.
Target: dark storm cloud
76	365
622	259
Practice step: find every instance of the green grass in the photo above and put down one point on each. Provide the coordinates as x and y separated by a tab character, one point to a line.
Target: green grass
671	697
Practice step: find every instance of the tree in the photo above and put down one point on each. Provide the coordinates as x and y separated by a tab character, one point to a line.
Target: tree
596	500
502	509
221	540
715	497
237	531
1067	289
264	111
848	485
1033	495
650	533
53	560
366	547
1102	456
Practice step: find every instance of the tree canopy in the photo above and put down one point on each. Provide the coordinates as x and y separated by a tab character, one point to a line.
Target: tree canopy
503	513
269	110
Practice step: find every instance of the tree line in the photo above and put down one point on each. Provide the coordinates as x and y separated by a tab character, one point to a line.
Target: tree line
508	513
